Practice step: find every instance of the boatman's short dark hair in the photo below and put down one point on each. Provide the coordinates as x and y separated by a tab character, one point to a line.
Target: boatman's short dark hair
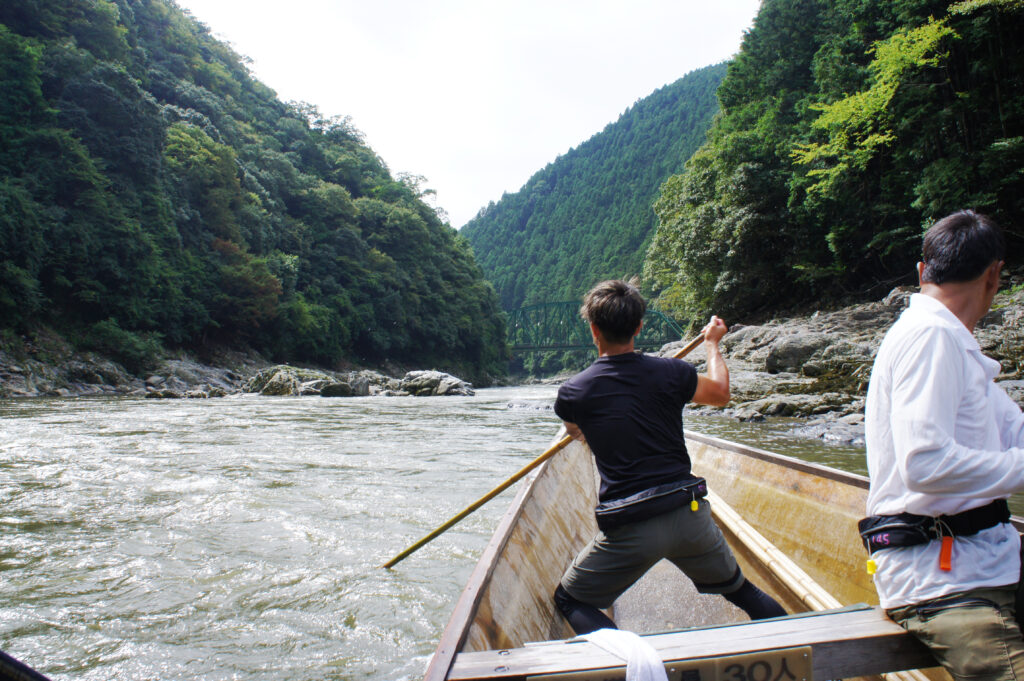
960	247
616	308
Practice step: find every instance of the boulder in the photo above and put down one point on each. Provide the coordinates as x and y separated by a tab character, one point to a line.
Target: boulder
899	297
747	415
358	384
426	383
791	352
284	379
281	383
313	387
337	389
163	394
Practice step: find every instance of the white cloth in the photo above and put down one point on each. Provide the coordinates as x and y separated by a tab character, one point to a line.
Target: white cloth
941	437
643	663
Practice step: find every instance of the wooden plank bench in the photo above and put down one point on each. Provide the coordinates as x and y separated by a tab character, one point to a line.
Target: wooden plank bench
853	641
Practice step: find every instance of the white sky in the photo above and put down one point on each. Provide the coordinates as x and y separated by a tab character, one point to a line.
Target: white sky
475	95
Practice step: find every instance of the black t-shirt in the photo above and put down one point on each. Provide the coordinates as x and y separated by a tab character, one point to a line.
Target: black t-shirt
630	409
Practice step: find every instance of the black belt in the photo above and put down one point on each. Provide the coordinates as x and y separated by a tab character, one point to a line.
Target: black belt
907	529
649	502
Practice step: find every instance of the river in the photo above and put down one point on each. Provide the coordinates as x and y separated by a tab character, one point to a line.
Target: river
241	538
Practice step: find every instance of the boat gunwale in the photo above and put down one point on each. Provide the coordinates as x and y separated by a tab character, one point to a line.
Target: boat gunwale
464	613
454	635
820	470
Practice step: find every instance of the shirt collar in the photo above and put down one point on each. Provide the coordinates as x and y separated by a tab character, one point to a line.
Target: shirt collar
922	304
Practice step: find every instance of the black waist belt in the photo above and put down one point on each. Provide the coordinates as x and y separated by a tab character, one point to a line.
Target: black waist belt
649	502
907	529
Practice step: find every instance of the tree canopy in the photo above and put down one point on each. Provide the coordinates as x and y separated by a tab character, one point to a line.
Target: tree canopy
587	215
847	127
150	187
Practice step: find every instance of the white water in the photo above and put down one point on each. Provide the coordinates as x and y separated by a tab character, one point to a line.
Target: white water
240	538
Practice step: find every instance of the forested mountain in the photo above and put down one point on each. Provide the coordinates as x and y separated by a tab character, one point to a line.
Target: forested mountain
587	216
152	191
847	128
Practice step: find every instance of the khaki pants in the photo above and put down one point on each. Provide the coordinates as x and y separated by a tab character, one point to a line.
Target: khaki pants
973	634
613	561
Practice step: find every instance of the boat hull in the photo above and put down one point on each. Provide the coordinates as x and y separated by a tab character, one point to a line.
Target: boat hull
806	515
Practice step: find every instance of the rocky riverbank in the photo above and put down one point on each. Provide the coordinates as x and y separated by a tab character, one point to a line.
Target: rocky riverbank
814	366
818	366
47	366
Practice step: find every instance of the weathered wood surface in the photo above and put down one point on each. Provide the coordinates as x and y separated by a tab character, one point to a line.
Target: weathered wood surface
508	599
807	511
846	643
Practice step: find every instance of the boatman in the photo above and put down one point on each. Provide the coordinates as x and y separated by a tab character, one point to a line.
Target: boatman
629	408
945	447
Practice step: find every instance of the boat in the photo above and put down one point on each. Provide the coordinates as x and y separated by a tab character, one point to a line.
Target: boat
791	525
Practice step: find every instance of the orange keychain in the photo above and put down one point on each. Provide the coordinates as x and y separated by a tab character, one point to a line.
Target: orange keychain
946	554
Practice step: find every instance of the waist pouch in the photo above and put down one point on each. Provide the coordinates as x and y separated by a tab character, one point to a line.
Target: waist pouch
907	529
649	502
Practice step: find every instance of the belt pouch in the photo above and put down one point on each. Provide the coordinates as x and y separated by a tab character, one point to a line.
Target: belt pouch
893	531
649	503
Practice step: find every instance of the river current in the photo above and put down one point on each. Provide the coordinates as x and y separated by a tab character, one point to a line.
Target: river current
241	538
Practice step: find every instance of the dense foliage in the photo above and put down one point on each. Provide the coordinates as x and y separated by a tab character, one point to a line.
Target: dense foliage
152	190
846	128
587	216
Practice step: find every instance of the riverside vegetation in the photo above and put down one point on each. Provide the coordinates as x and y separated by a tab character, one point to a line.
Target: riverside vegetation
844	129
228	219
155	198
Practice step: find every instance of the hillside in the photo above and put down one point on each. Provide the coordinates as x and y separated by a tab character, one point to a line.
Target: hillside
153	194
847	128
587	215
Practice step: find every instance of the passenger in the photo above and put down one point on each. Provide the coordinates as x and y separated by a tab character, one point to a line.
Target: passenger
944	450
628	408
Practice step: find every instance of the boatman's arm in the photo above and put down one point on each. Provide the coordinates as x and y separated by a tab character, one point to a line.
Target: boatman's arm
574	431
713	385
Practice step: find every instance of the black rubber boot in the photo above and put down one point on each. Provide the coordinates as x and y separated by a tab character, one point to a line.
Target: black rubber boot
757	604
582	618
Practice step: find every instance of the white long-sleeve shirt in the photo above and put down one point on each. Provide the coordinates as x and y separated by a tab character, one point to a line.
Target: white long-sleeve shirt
942	438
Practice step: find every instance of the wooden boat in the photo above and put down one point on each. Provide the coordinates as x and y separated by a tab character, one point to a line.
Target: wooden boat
792	526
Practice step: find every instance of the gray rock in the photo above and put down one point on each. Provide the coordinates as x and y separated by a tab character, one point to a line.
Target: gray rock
425	383
747	415
163	394
359	384
899	297
281	383
790	353
313	387
284	379
337	389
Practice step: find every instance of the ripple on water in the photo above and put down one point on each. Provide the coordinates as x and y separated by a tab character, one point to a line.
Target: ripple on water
241	538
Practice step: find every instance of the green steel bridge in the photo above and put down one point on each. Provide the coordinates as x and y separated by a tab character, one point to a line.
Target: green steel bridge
558	326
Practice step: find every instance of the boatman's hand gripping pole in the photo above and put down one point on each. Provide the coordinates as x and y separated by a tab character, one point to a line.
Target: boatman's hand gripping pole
550	452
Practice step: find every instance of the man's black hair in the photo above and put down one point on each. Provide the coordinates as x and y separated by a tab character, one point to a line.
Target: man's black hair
616	307
960	247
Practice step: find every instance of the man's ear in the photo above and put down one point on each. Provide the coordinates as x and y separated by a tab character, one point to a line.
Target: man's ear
920	273
992	274
638	329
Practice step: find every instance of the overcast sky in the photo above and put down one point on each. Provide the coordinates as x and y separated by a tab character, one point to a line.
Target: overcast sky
475	95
